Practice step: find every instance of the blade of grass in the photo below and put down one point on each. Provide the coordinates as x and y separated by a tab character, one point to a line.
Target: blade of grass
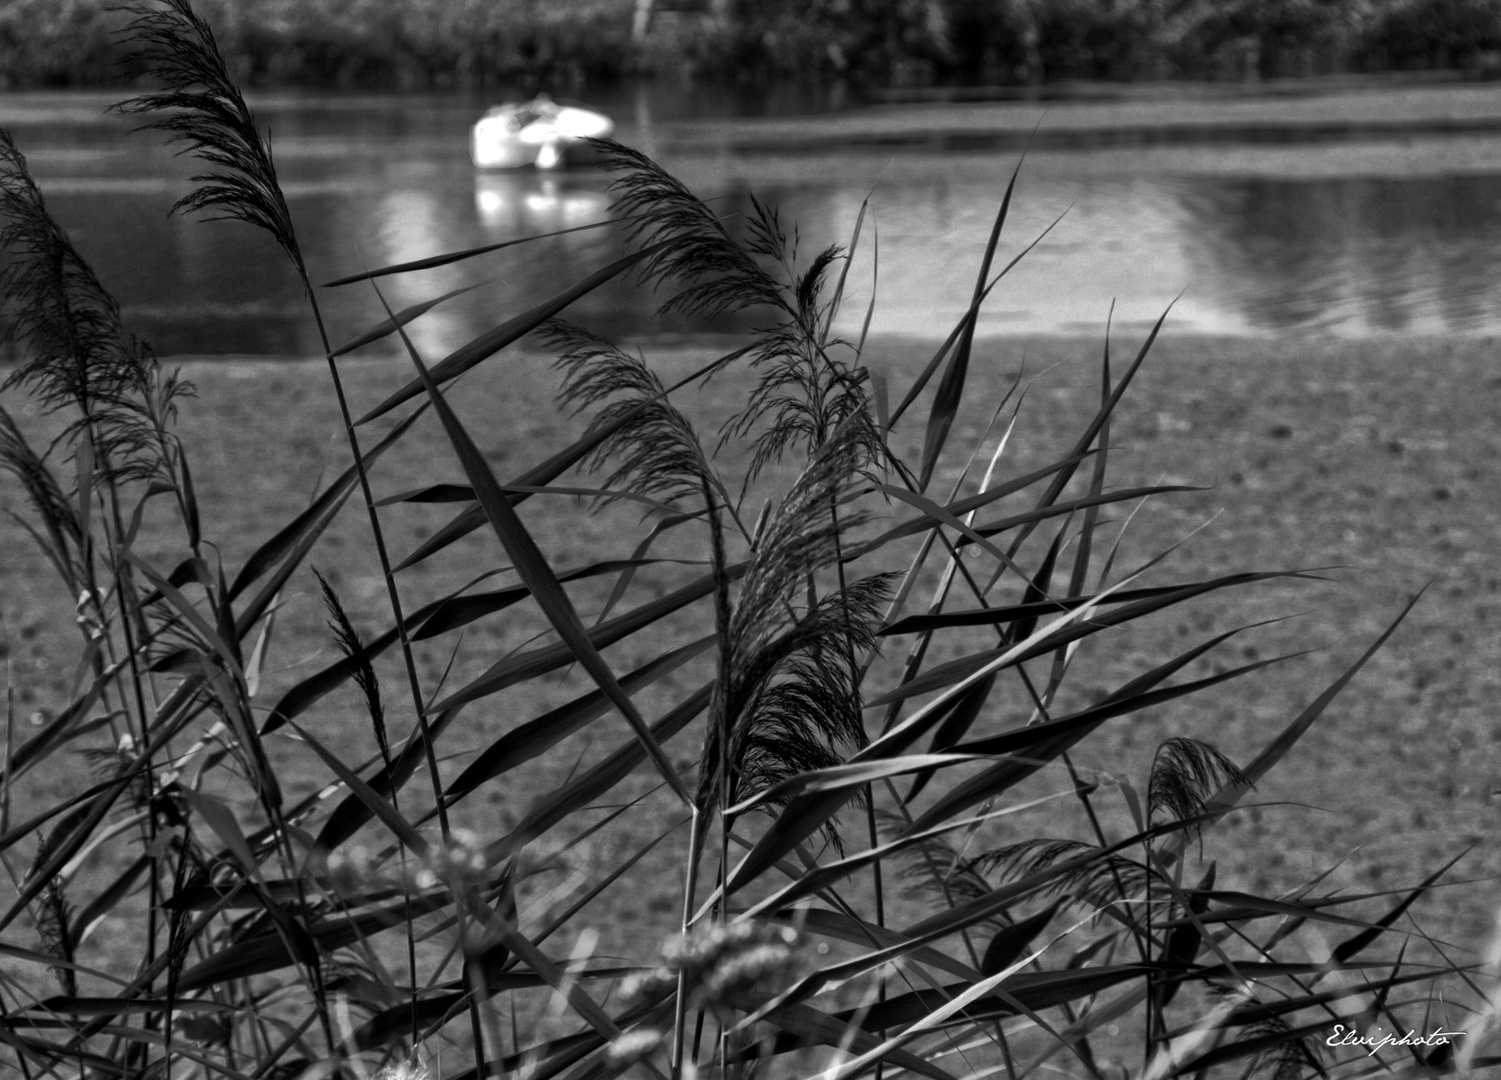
491	342
588	786
1071	630
472	516
1032	754
807	1026
447	258
315	518
528	665
390	817
1233	792
535	737
534	569
950	390
388	327
974	306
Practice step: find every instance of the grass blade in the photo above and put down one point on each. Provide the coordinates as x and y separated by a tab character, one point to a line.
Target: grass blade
950	390
491	342
387	327
1233	792
315	518
588	786
388	814
534	737
533	568
447	258
528	665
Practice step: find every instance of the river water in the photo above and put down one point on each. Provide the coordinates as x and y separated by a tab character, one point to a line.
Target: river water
1351	214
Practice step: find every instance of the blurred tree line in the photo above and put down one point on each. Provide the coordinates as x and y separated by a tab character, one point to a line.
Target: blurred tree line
420	44
970	42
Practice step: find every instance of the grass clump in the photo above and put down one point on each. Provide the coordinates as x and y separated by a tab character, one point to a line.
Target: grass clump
881	692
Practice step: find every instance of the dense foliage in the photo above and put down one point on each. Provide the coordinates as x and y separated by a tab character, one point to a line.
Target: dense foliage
411	44
857	881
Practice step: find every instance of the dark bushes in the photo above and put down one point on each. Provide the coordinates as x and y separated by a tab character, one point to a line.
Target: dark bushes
418	44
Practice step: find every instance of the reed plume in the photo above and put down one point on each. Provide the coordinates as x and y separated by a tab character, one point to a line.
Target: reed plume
77	351
805	387
1185	774
652	450
353	648
53	917
61	540
716	274
202	108
1100	883
786	695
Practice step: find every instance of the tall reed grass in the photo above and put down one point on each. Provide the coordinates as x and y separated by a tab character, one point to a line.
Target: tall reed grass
882	649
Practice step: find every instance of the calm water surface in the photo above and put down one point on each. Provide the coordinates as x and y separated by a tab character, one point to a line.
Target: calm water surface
1386	234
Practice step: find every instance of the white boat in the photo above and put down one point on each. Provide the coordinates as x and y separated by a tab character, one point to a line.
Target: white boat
536	133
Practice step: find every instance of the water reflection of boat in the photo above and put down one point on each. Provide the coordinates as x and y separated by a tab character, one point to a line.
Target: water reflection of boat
530	203
540	133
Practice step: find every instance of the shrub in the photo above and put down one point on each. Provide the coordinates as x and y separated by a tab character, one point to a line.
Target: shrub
1436	34
56	43
360	928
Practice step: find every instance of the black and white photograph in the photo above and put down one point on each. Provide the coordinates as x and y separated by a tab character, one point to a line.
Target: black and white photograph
750	539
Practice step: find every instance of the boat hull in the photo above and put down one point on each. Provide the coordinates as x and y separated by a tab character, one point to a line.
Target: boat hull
536	134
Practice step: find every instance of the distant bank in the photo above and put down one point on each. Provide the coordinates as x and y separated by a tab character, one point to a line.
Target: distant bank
1159	115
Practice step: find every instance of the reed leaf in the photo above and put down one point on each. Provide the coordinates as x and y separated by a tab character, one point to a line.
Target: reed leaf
492	341
535	737
1231	793
950	390
534	662
363	673
353	813
449	257
386	327
1040	751
803	1026
534	570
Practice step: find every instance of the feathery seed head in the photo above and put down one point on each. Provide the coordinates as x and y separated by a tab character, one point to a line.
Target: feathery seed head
1185	774
653	450
717	275
78	353
52	915
203	109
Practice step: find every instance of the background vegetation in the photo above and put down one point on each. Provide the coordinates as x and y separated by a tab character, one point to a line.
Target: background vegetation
412	44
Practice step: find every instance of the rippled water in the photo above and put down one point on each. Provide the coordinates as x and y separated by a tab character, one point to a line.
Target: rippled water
1349	232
